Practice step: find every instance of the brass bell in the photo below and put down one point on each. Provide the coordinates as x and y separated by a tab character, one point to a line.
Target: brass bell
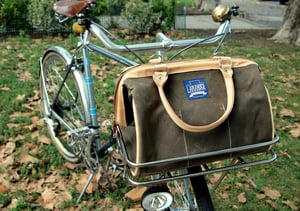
78	28
220	13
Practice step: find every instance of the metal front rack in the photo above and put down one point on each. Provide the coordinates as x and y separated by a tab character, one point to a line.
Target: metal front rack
236	163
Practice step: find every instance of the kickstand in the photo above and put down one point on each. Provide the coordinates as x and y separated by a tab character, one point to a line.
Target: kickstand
92	174
86	186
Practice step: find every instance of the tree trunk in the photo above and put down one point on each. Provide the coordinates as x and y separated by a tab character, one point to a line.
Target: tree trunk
206	5
290	28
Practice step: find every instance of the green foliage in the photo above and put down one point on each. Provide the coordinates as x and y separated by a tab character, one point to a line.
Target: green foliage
41	15
115	6
141	16
189	3
22	204
100	9
13	13
168	12
5	199
147	16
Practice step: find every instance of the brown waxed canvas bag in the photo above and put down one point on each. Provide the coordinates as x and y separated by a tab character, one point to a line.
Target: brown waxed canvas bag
181	114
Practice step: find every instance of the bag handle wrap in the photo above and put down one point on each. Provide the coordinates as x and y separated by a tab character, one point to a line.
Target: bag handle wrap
161	77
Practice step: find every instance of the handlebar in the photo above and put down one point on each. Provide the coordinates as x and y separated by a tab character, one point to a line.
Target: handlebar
73	9
163	42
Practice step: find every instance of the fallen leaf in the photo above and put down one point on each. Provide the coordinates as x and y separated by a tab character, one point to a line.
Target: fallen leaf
287	113
20	97
48	197
51	198
35	134
9	148
82	179
25	75
44	139
8	161
35	97
242	198
271	203
241	175
26	158
13	203
18	114
4	181
52	179
3	188
285	154
71	166
94	69
35	186
21	56
224	196
273	194
14	177
113	62
295	132
290	204
239	185
281	99
260	196
8	47
5	89
136	193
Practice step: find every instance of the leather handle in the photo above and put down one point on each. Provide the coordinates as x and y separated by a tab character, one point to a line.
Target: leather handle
161	77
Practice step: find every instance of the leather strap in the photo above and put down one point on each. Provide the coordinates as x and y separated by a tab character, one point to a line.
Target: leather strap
161	77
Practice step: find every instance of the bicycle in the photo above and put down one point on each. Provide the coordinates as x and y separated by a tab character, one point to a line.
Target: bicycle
69	109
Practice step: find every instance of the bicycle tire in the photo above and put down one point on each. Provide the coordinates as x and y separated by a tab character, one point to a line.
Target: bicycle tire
68	111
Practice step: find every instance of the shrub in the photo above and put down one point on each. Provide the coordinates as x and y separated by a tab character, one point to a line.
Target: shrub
41	15
141	16
13	14
146	16
115	6
168	12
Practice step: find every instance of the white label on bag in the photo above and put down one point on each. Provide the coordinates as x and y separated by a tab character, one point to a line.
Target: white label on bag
196	88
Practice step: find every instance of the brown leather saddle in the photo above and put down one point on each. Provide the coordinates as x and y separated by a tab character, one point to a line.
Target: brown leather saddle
71	8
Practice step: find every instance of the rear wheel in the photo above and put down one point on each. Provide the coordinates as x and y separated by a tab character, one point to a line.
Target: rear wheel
191	193
63	103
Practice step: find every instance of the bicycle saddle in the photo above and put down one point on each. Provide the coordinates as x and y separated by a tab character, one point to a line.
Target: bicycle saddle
71	8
